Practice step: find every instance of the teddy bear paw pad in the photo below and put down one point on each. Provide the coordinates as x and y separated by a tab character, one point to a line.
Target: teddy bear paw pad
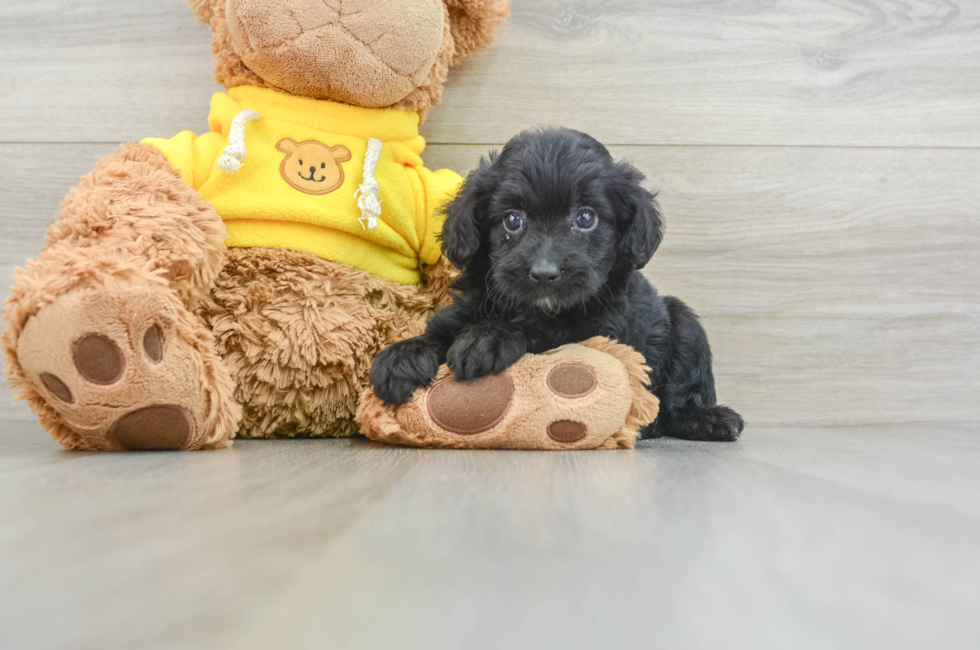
97	359
469	408
116	367
153	428
567	431
572	380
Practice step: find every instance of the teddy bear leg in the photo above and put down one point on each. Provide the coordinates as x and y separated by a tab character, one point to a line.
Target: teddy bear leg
298	335
591	395
119	363
99	336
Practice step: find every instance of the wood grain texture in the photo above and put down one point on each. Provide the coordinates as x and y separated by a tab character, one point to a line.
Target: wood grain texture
754	72
838	286
792	538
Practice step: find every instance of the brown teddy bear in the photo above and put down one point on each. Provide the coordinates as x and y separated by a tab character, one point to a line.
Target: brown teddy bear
241	281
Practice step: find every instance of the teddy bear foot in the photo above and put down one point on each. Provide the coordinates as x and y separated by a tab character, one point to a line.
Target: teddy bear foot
584	396
129	369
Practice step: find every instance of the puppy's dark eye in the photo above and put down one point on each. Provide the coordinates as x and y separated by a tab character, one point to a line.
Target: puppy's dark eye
513	222
323	165
586	220
301	161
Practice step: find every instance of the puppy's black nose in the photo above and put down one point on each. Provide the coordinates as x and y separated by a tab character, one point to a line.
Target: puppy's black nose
544	272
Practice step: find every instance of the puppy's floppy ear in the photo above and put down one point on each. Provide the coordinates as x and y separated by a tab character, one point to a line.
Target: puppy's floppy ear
466	213
644	225
647	229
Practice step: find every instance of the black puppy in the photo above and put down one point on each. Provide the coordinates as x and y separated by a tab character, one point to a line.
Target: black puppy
548	235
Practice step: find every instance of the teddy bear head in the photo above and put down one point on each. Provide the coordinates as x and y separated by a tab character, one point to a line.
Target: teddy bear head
370	53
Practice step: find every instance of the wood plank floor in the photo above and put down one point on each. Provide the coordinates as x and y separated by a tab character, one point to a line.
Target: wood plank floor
792	538
818	163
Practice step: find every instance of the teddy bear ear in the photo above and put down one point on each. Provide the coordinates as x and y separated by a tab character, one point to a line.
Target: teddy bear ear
202	9
287	145
340	153
474	24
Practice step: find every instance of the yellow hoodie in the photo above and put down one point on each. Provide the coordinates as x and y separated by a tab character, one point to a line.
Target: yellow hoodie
342	182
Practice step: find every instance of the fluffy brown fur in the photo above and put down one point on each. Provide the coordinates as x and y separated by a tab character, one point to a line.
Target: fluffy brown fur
298	334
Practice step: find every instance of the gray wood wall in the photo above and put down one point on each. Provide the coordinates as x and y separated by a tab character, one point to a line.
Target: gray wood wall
818	163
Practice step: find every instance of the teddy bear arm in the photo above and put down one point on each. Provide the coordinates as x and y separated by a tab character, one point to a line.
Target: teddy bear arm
131	216
134	204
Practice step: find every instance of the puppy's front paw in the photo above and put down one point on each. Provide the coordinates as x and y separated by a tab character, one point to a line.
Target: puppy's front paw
403	367
712	423
484	350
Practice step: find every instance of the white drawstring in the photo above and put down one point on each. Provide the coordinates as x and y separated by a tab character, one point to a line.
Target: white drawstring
367	193
231	160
